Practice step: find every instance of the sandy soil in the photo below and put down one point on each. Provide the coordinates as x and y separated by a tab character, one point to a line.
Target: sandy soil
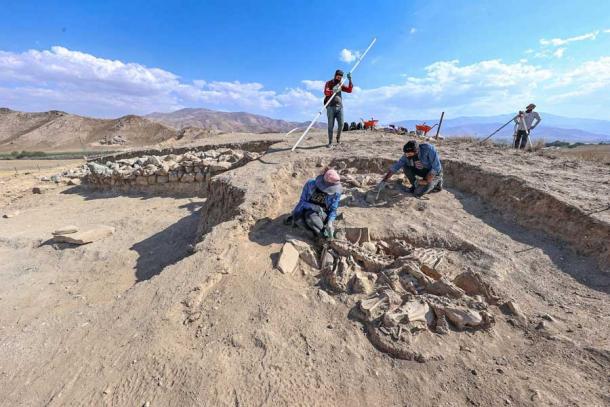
143	316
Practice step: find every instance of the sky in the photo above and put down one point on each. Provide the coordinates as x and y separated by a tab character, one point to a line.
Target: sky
467	58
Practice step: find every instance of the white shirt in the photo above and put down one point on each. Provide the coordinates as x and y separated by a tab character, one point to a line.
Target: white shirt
529	119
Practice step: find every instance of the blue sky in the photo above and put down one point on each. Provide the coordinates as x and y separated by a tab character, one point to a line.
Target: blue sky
270	57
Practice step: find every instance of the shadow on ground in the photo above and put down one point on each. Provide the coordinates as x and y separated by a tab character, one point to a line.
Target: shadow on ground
583	269
91	193
168	246
268	231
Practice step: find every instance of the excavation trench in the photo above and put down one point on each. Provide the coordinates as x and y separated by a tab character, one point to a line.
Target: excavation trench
405	286
534	209
517	201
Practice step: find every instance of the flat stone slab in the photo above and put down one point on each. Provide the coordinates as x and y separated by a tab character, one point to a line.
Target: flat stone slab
84	237
65	230
289	259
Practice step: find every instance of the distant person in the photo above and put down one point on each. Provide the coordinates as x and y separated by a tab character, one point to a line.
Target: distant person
334	110
525	124
318	204
418	160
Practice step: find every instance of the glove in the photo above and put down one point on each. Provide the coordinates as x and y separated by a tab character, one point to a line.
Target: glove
329	230
337	89
349	76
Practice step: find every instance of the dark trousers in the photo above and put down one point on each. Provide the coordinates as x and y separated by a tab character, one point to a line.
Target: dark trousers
411	172
334	113
315	221
521	139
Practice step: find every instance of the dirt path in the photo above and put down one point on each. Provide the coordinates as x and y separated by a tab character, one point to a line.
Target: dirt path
139	317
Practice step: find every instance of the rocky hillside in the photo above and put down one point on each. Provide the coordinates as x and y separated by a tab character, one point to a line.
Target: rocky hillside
55	131
223	121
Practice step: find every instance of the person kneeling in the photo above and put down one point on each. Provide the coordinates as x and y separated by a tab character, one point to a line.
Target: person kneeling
318	204
419	160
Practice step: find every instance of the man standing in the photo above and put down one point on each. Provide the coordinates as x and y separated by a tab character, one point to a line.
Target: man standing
334	110
525	123
419	160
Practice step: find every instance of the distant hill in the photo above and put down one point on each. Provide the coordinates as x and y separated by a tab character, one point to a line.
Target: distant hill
224	122
551	128
55	131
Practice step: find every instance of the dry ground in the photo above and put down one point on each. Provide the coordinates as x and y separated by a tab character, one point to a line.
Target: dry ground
598	153
140	317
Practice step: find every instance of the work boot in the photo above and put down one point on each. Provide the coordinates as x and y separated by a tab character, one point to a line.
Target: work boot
438	187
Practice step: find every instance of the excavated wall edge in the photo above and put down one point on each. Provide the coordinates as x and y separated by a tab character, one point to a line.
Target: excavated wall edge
257	146
534	209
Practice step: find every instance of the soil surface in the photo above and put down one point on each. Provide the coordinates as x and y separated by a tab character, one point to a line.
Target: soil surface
183	305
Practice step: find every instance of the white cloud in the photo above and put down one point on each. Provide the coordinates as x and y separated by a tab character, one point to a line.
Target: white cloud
558	53
78	82
558	42
313	85
82	83
348	56
607	31
413	30
485	87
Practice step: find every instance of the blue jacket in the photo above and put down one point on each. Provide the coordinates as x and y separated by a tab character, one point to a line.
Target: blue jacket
332	202
427	155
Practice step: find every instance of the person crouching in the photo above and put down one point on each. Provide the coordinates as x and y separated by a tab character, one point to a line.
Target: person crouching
318	204
418	160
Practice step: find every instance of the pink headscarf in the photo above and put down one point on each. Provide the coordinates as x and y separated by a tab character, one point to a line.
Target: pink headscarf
332	177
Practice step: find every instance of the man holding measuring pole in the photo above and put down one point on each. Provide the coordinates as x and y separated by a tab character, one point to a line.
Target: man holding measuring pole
525	123
332	96
334	109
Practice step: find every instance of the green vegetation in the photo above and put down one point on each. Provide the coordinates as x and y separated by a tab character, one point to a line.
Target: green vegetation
564	144
41	155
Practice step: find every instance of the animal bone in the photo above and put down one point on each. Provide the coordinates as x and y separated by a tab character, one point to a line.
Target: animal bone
473	284
463	317
373	263
444	287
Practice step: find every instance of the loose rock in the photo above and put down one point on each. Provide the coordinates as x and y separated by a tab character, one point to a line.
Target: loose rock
289	259
85	237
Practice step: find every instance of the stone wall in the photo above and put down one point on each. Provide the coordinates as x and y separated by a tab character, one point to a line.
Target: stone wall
187	172
257	146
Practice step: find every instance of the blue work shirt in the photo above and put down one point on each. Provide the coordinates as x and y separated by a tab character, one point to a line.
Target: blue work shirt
331	201
427	155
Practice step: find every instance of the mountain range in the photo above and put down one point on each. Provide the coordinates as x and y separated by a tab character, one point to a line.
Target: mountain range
224	122
551	128
56	130
61	131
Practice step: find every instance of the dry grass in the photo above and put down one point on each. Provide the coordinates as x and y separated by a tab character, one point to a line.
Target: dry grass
537	145
595	152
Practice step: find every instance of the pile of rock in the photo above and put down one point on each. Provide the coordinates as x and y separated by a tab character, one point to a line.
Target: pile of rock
194	166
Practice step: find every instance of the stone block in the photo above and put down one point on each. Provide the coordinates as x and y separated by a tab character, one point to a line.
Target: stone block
188	178
289	259
65	230
87	236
